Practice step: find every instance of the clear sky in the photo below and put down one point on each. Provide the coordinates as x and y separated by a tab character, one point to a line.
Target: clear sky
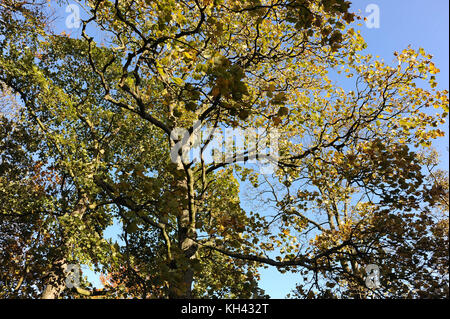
419	23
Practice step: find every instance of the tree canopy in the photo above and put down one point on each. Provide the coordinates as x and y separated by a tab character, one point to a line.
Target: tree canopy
96	129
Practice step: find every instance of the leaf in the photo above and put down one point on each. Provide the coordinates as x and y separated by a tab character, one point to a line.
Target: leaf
282	111
132	227
178	81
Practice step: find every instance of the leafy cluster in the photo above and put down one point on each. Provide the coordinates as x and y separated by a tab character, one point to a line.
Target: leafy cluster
90	147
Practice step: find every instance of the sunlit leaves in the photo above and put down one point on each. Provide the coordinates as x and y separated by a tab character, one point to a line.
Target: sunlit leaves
347	182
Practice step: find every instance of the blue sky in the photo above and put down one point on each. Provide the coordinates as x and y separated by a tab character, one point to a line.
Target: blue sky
418	23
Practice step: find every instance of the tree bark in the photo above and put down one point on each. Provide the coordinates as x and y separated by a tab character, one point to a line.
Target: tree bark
56	280
55	283
186	241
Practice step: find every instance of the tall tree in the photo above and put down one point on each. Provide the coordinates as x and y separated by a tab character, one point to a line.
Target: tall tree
116	119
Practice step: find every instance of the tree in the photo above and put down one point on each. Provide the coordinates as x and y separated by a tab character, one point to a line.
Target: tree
405	236
116	120
22	196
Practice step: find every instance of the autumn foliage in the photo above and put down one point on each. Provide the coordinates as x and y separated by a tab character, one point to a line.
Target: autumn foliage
89	147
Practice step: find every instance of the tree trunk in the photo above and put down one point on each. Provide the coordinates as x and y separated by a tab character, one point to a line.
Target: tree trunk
186	241
56	280
182	288
55	284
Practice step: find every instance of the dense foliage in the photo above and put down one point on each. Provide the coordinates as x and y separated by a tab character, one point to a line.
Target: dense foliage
90	121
